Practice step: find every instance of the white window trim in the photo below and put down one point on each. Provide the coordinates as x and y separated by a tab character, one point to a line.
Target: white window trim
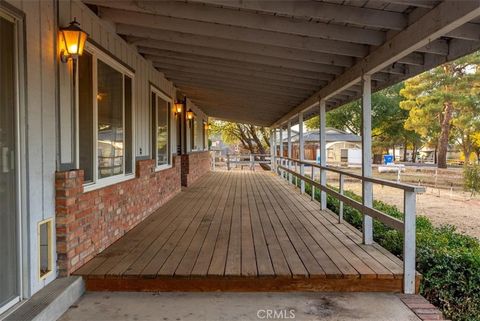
110	61
168	99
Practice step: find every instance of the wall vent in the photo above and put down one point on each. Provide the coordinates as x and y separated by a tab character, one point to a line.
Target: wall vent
45	254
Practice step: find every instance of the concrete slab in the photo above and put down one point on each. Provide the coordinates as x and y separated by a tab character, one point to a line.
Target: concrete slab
174	306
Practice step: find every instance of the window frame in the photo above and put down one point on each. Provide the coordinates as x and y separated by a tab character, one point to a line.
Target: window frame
99	54
160	94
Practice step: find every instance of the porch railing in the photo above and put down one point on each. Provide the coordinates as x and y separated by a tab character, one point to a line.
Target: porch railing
250	160
288	168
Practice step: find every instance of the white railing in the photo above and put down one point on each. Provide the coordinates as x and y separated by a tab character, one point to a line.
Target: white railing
287	168
249	160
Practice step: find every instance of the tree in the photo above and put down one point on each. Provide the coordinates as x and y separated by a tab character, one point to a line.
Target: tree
443	105
253	138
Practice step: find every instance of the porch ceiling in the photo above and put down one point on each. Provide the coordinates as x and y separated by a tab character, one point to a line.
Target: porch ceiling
262	62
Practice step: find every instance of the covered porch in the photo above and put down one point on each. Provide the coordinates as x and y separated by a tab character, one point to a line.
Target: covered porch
243	231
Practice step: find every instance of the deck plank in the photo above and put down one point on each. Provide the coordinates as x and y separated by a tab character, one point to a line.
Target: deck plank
179	242
152	259
243	231
279	262
219	259
309	261
322	258
289	251
249	263
204	258
262	255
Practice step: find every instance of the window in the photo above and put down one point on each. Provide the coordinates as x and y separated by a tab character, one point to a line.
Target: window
105	125
161	107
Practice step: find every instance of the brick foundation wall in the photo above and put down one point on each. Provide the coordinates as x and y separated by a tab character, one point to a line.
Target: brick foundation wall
88	222
194	166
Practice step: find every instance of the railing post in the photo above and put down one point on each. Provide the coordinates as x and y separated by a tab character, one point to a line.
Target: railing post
228	162
289	150
323	153
409	242
252	162
281	151
340	190
367	187
295	168
214	153
313	179
301	150
273	148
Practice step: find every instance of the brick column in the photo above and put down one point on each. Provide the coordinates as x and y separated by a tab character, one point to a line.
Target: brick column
194	166
68	187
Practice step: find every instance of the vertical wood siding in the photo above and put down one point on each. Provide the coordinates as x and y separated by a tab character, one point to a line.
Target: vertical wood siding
42	108
40	111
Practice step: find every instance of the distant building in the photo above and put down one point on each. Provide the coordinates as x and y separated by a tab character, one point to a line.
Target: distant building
337	140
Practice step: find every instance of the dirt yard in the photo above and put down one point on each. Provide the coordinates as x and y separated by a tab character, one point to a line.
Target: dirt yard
446	203
440	205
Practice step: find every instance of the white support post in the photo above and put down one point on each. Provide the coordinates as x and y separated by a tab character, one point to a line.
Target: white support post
289	149
367	190
301	151
281	150
409	240
323	152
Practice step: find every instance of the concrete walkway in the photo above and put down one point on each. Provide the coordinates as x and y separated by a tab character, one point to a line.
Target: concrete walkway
120	306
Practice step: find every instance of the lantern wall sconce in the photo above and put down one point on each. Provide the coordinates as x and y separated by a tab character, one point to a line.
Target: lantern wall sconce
190	114
73	40
178	107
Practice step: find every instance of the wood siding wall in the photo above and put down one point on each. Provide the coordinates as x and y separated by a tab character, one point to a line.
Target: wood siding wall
47	117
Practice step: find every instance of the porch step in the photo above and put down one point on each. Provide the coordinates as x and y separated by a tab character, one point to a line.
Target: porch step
51	302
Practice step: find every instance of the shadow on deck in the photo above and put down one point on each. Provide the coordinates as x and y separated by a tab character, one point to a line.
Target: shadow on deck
242	231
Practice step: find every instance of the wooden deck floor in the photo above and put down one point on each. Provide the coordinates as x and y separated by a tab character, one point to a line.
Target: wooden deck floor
242	231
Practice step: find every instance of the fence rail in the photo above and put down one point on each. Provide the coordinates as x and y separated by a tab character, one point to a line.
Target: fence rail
287	168
249	160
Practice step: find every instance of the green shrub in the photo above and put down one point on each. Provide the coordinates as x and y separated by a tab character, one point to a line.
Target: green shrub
448	260
471	178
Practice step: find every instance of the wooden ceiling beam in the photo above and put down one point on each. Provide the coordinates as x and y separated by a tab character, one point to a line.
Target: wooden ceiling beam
162	64
233	32
189	59
253	87
331	12
171	37
211	93
146	47
173	70
112	10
